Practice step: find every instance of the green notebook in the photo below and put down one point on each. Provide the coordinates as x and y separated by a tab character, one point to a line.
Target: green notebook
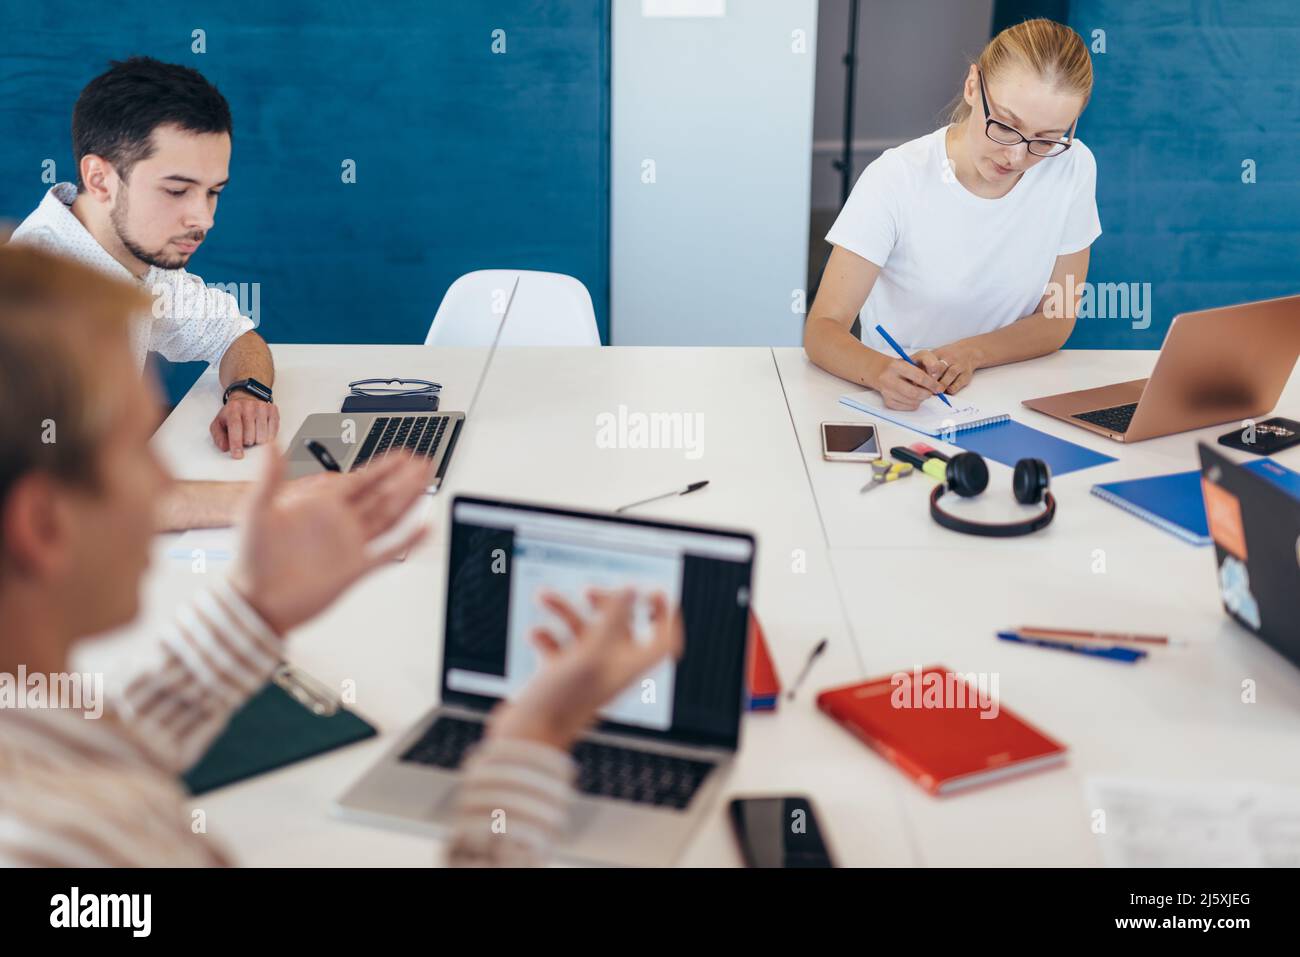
289	720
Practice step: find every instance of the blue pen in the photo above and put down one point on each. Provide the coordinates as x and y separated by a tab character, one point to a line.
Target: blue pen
906	358
1116	653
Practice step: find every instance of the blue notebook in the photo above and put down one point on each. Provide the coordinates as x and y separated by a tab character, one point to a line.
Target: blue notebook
1174	502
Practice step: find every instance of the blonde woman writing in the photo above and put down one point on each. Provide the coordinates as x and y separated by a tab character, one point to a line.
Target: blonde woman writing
950	241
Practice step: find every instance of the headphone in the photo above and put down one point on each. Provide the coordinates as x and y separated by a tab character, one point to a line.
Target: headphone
968	476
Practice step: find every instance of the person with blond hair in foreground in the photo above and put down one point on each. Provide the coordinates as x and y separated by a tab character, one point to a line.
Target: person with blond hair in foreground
78	482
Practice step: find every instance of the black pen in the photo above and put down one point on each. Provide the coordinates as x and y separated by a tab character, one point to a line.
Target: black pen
693	487
322	455
821	646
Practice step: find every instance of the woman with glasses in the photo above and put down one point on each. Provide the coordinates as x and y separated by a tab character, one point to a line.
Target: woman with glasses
952	242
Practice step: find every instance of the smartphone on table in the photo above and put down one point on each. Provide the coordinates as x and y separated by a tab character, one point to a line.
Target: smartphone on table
779	832
850	442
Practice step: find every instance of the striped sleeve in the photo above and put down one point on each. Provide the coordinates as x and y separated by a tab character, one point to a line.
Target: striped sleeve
513	805
23	844
215	655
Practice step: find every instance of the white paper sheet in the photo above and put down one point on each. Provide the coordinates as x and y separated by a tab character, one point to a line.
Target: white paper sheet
1195	824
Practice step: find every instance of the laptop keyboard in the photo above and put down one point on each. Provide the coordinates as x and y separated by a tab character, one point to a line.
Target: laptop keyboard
1115	419
604	770
418	434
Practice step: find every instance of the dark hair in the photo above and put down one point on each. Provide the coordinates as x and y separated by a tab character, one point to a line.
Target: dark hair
118	111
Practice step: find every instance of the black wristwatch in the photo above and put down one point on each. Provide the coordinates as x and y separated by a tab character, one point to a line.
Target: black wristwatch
254	388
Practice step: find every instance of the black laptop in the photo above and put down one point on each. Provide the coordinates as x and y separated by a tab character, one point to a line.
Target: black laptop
1255	524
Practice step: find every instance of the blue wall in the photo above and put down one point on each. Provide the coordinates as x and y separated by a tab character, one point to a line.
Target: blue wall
1187	90
465	159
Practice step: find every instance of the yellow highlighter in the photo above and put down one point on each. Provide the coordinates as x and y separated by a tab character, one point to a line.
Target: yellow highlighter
937	469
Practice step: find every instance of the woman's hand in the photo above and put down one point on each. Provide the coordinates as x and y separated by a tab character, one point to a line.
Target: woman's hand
903	385
952	365
584	670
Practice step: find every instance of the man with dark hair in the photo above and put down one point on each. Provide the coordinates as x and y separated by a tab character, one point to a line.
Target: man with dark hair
152	144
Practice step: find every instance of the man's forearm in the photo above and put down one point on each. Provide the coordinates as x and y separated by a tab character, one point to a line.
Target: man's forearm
248	357
201	505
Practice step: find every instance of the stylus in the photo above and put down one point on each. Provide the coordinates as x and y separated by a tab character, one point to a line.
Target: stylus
693	487
807	666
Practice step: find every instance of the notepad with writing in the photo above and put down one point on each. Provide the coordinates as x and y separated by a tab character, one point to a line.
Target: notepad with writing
942	731
931	418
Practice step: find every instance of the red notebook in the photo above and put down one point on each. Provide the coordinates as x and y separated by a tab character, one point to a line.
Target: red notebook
933	726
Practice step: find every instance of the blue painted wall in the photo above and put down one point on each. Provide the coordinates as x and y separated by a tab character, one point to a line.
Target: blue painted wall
1186	91
465	159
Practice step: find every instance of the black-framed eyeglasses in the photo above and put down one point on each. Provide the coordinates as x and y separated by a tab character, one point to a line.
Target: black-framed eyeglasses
383	387
1005	135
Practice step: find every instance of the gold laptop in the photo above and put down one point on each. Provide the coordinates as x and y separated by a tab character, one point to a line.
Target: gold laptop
1216	366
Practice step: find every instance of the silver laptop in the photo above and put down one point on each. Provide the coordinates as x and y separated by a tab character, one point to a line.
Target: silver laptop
355	439
654	764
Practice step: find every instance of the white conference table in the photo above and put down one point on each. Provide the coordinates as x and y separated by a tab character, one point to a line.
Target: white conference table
870	573
917	594
533	436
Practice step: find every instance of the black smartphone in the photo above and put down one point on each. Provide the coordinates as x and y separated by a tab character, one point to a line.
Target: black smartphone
1263	438
423	402
779	832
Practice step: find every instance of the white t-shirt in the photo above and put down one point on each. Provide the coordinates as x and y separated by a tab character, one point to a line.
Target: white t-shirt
954	264
189	322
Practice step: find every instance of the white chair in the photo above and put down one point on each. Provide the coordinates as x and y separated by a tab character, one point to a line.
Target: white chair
549	309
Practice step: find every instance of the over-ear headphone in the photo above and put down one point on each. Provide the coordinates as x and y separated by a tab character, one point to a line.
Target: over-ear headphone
967	475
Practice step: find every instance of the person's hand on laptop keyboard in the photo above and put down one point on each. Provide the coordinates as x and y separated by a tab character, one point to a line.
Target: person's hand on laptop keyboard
582	674
301	549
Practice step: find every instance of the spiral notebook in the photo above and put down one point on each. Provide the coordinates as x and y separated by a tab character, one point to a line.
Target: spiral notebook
1174	502
931	418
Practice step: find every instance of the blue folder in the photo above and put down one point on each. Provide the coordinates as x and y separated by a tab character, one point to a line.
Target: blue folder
1009	442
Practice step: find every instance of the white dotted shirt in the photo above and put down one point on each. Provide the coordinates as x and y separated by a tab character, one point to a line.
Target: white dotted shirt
189	322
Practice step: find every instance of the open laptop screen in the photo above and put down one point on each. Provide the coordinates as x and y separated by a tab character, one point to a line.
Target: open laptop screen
503	554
